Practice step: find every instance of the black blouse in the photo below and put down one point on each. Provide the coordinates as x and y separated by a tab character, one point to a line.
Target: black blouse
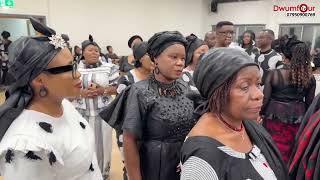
124	65
278	87
160	124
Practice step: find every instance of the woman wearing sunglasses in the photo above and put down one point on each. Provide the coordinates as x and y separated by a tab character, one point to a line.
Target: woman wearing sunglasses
42	135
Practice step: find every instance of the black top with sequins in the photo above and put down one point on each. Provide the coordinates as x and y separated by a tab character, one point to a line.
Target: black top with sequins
160	116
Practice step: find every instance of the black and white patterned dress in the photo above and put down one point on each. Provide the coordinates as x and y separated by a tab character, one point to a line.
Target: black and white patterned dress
104	75
40	147
252	165
205	158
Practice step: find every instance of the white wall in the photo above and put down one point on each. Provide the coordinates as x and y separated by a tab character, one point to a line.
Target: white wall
30	7
257	12
16	27
112	22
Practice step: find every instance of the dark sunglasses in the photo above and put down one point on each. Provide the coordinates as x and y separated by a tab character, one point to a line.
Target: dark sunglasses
62	69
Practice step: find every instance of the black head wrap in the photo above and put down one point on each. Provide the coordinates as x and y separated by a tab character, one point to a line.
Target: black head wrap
88	42
162	40
28	57
41	28
131	39
193	44
215	68
139	50
65	37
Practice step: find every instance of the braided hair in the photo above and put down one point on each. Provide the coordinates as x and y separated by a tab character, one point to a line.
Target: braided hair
221	96
300	62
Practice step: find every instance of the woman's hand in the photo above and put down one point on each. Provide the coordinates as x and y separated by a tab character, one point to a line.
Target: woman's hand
110	90
100	91
88	93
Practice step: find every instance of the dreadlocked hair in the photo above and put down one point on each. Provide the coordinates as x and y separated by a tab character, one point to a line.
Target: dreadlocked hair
220	97
300	71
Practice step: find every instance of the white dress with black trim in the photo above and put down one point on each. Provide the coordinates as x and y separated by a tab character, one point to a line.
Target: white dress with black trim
41	147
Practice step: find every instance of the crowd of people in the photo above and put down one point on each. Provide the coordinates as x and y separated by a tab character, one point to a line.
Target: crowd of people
182	107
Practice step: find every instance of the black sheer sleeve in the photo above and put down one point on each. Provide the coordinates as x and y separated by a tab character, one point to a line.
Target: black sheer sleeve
267	90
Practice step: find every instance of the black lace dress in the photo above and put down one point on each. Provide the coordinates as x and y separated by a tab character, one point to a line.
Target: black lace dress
284	106
160	116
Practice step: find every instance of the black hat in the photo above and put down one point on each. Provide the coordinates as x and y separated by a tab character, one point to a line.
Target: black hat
130	41
193	44
162	40
41	28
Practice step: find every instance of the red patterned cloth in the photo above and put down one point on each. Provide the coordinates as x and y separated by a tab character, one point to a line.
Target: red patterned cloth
305	163
283	135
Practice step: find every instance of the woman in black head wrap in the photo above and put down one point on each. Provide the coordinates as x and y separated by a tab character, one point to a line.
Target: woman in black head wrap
143	67
227	143
126	63
158	115
42	135
195	48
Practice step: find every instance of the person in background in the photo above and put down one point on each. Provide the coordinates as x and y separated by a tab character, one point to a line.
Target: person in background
316	56
276	44
224	34
248	43
42	135
126	62
99	83
66	38
227	142
143	67
4	55
210	39
113	56
195	48
77	54
288	92
6	41
268	59
113	114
